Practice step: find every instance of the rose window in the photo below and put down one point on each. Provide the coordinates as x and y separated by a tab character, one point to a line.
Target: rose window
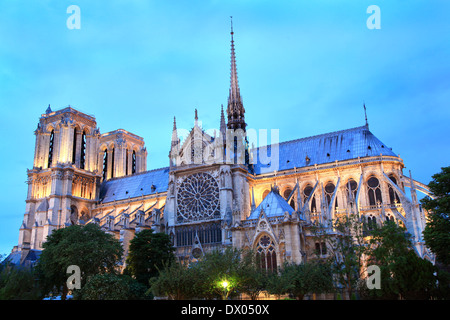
198	198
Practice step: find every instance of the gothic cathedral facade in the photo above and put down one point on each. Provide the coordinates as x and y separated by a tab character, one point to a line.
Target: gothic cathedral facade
216	191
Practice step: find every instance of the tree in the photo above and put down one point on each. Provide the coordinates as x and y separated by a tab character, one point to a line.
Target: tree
278	284
252	280
345	245
307	277
437	230
148	251
17	283
403	273
88	247
216	269
110	286
176	281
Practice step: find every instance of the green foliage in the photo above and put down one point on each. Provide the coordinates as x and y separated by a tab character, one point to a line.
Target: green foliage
176	281
252	281
110	287
214	268
308	277
88	247
346	247
278	285
148	252
437	230
18	283
403	274
205	278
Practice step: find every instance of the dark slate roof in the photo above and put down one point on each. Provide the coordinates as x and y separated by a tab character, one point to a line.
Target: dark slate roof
135	185
320	149
273	205
31	258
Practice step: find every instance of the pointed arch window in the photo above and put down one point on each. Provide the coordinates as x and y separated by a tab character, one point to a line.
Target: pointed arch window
286	195
74	145
352	188
266	254
393	196
329	190
371	222
50	148
133	163
306	193
126	162
105	164
83	151
374	191
73	215
112	163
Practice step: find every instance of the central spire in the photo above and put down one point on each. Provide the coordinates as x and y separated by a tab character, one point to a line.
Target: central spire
235	110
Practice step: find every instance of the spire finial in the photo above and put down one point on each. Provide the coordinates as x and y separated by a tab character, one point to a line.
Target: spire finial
223	125
175	139
365	114
196	115
235	108
231	18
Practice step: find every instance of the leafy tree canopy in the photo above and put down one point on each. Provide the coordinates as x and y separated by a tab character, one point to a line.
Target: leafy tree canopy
88	247
437	230
148	251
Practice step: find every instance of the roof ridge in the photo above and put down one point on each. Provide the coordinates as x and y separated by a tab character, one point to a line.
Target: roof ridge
136	174
316	136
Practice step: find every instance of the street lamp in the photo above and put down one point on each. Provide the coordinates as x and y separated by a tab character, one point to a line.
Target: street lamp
225	284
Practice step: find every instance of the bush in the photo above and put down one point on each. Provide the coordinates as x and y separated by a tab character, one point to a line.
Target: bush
111	287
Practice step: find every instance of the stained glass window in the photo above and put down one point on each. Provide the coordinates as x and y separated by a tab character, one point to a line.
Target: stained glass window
198	198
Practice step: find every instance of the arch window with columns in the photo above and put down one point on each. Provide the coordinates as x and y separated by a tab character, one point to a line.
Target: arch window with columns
374	191
329	191
266	254
306	193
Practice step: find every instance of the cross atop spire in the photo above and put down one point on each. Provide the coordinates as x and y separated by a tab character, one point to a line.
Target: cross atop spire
235	110
365	114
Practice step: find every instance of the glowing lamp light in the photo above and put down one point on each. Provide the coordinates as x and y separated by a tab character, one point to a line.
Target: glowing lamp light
224	284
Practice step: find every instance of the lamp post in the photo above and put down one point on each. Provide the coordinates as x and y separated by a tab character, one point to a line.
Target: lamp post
225	289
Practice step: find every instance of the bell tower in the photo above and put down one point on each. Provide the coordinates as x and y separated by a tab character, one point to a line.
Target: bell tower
64	181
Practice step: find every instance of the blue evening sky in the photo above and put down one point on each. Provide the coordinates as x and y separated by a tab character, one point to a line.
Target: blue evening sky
305	68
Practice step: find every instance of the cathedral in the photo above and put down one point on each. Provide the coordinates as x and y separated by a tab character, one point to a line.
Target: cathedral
218	190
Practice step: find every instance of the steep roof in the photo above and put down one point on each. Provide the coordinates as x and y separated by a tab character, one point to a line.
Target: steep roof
319	149
135	185
325	148
273	205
